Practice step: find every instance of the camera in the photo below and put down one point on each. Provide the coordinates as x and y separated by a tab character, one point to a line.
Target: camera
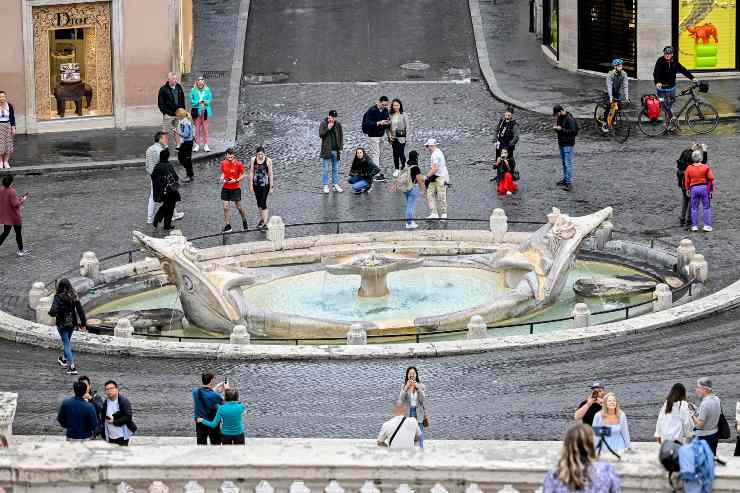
602	431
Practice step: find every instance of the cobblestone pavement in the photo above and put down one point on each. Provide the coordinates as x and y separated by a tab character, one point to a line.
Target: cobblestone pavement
523	72
355	40
515	395
524	394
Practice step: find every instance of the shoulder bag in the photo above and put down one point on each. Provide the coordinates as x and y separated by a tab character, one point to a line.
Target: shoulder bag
723	428
394	433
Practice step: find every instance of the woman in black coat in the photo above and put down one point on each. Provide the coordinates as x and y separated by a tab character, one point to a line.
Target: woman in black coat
165	187
68	316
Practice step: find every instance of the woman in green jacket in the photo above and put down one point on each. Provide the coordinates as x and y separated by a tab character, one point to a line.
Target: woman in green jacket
200	102
229	415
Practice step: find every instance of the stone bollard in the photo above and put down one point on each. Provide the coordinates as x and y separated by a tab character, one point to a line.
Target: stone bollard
90	266
499	225
8	403
356	335
123	328
684	253
239	335
581	316
37	291
276	232
477	328
42	311
662	297
698	268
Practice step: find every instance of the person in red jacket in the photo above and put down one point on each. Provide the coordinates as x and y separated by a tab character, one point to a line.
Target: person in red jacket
699	181
10	213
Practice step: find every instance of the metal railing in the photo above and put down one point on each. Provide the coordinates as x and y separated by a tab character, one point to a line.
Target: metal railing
338	227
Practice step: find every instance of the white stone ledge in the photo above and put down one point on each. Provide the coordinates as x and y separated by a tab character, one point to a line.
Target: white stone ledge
53	464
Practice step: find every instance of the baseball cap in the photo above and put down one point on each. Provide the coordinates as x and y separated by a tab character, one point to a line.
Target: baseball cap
557	109
704	382
668	49
431	142
333	113
595	385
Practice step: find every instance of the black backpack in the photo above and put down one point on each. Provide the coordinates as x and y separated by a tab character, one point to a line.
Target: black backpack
366	123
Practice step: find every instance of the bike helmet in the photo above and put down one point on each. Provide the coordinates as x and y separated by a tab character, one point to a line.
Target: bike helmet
617	61
667	50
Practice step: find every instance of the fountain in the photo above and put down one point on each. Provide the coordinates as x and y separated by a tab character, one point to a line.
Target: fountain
275	291
373	270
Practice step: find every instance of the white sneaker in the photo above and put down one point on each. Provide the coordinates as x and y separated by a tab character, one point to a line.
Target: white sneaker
443	216
23	253
411	225
150	221
206	148
396	173
196	148
508	192
177	216
433	215
694	228
337	188
708	228
6	165
326	188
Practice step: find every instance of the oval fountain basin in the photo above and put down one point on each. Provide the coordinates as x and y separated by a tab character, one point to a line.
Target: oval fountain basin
425	291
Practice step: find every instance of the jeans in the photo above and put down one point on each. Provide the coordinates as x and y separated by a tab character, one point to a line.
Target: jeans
66	336
668	96
566	156
358	183
411	197
232	439
712	441
185	156
374	149
334	161
700	193
203	433
18	236
412	414
399	154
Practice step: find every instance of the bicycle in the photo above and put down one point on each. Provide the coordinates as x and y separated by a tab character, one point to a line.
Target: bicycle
611	119
701	117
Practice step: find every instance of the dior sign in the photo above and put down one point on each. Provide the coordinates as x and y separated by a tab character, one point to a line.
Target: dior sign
64	19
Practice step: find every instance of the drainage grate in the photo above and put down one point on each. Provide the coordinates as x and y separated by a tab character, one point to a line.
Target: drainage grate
214	74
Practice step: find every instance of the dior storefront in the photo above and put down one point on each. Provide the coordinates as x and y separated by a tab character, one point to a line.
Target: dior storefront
78	64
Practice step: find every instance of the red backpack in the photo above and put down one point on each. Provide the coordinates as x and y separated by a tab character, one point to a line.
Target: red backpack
652	106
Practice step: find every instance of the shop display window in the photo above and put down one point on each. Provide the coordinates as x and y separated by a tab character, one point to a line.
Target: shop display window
707	34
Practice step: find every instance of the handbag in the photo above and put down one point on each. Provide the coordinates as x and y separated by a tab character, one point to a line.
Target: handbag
400	132
723	427
425	421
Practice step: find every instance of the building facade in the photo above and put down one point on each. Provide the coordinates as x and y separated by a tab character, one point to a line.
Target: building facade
88	64
588	34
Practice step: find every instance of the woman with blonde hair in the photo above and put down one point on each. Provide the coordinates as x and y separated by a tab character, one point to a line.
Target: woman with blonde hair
613	417
185	151
578	470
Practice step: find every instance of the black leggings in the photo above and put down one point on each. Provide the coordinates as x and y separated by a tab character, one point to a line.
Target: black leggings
165	211
185	157
399	154
261	193
18	236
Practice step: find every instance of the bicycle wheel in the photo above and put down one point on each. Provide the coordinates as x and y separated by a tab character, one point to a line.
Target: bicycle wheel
653	128
621	127
600	112
702	117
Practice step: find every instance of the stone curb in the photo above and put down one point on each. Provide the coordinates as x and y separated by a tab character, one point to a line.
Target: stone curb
93	165
24	331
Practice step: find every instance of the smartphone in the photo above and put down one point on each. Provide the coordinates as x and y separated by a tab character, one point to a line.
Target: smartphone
226	381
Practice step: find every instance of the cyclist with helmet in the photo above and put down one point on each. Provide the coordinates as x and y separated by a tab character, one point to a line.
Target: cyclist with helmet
664	76
617	87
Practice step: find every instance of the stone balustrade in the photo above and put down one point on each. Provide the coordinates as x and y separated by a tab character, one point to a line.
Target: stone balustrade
164	465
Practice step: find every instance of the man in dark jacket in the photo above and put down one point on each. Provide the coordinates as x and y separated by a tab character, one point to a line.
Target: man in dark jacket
96	400
117	415
567	129
78	416
664	76
171	97
507	136
206	400
375	124
332	141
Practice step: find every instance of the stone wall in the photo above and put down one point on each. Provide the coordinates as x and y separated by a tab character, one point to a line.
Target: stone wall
313	465
653	33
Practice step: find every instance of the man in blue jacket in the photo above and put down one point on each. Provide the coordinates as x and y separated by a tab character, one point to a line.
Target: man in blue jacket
206	400
78	416
375	124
